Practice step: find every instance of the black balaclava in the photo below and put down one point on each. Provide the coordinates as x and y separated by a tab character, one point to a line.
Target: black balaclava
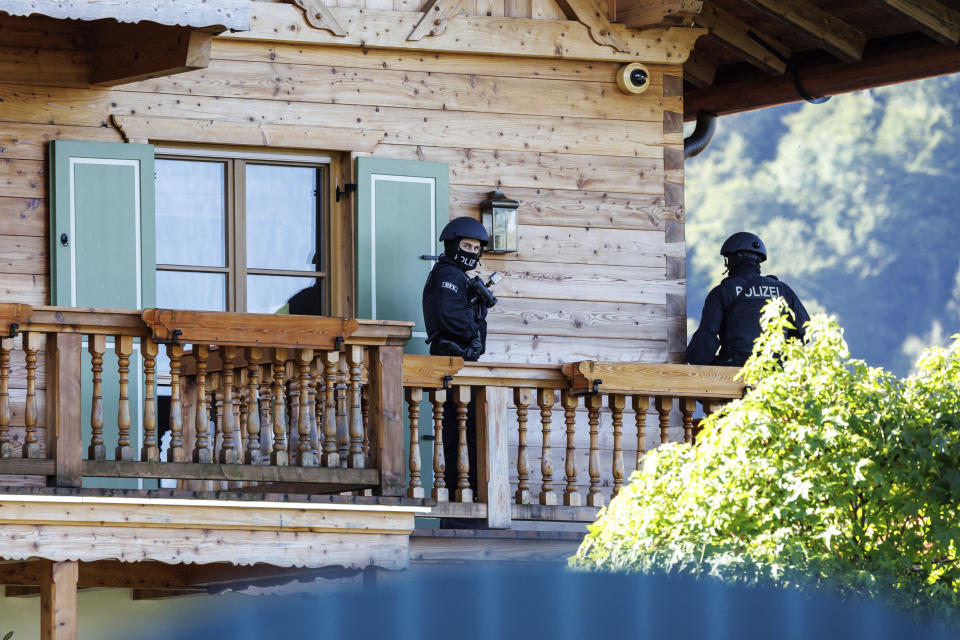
463	259
743	262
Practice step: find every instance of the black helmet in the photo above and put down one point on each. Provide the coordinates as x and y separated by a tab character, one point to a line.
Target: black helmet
465	227
744	241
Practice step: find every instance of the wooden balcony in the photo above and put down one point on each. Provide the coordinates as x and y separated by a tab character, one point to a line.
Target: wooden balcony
240	441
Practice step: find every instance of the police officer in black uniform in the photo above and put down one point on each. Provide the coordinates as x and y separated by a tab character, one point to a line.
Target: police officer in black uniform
455	313
731	313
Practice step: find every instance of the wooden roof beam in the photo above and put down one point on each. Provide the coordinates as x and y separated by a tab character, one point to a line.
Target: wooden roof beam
651	13
933	18
742	39
827	31
700	69
826	80
178	51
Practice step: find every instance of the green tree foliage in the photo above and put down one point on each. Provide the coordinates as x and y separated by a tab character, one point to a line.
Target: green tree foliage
828	473
857	202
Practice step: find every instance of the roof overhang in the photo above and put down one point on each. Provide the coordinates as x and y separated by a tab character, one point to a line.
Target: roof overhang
210	15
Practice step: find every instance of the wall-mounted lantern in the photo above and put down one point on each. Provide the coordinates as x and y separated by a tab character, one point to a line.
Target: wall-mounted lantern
499	216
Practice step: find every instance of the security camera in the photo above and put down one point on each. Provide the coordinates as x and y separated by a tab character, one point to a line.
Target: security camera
633	79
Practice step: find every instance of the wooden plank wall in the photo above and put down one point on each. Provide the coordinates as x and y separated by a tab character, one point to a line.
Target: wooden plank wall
600	273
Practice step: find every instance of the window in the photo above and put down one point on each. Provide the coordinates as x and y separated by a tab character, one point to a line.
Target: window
241	233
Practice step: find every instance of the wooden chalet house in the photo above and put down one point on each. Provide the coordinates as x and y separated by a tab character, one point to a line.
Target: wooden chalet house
213	217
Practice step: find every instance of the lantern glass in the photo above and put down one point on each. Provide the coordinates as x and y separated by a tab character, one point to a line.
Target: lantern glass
486	216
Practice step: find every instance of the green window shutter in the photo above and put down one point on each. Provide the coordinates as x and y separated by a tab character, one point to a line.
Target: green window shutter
102	204
402	205
103	254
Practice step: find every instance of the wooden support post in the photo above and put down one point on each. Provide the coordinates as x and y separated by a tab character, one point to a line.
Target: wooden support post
493	469
278	457
64	443
228	447
149	451
440	492
31	344
521	398
545	399
355	456
6	448
305	457
97	345
664	406
175	453
617	403
571	495
331	455
594	402
386	417
58	600
123	346
640	406
687	407
414	396
464	493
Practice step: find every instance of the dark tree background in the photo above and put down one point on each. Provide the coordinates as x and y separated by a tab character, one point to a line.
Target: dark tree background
856	200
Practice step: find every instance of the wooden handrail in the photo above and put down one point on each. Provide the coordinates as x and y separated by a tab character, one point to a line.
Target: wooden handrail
677	380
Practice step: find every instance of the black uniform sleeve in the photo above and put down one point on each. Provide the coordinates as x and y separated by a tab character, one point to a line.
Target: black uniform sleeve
800	316
705	342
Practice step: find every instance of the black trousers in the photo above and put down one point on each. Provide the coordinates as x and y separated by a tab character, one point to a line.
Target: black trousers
451	439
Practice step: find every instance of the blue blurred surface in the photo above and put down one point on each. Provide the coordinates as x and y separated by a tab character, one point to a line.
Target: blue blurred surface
467	603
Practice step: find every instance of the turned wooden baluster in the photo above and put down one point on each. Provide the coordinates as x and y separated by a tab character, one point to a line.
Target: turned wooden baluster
201	445
6	346
545	400
664	407
175	453
97	346
464	492
32	342
356	459
594	497
365	411
123	346
305	457
414	396
440	492
149	451
215	402
331	457
343	428
687	408
571	495
319	390
312	437
293	404
640	406
278	456
617	404
521	398
266	416
228	448
253	452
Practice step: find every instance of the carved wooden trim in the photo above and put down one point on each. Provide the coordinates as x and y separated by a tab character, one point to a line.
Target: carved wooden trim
319	16
435	17
592	16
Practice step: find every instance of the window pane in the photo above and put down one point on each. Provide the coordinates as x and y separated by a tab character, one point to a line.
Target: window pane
190	212
283	294
282	217
189	290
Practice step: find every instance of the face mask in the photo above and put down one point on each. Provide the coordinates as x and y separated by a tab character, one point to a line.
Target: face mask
466	260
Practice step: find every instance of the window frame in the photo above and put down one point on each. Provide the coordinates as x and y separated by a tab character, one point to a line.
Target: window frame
235	270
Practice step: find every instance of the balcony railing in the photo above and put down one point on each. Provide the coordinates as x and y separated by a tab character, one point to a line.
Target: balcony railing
247	393
568	463
307	405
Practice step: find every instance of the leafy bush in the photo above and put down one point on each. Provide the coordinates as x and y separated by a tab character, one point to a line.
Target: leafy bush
828	473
